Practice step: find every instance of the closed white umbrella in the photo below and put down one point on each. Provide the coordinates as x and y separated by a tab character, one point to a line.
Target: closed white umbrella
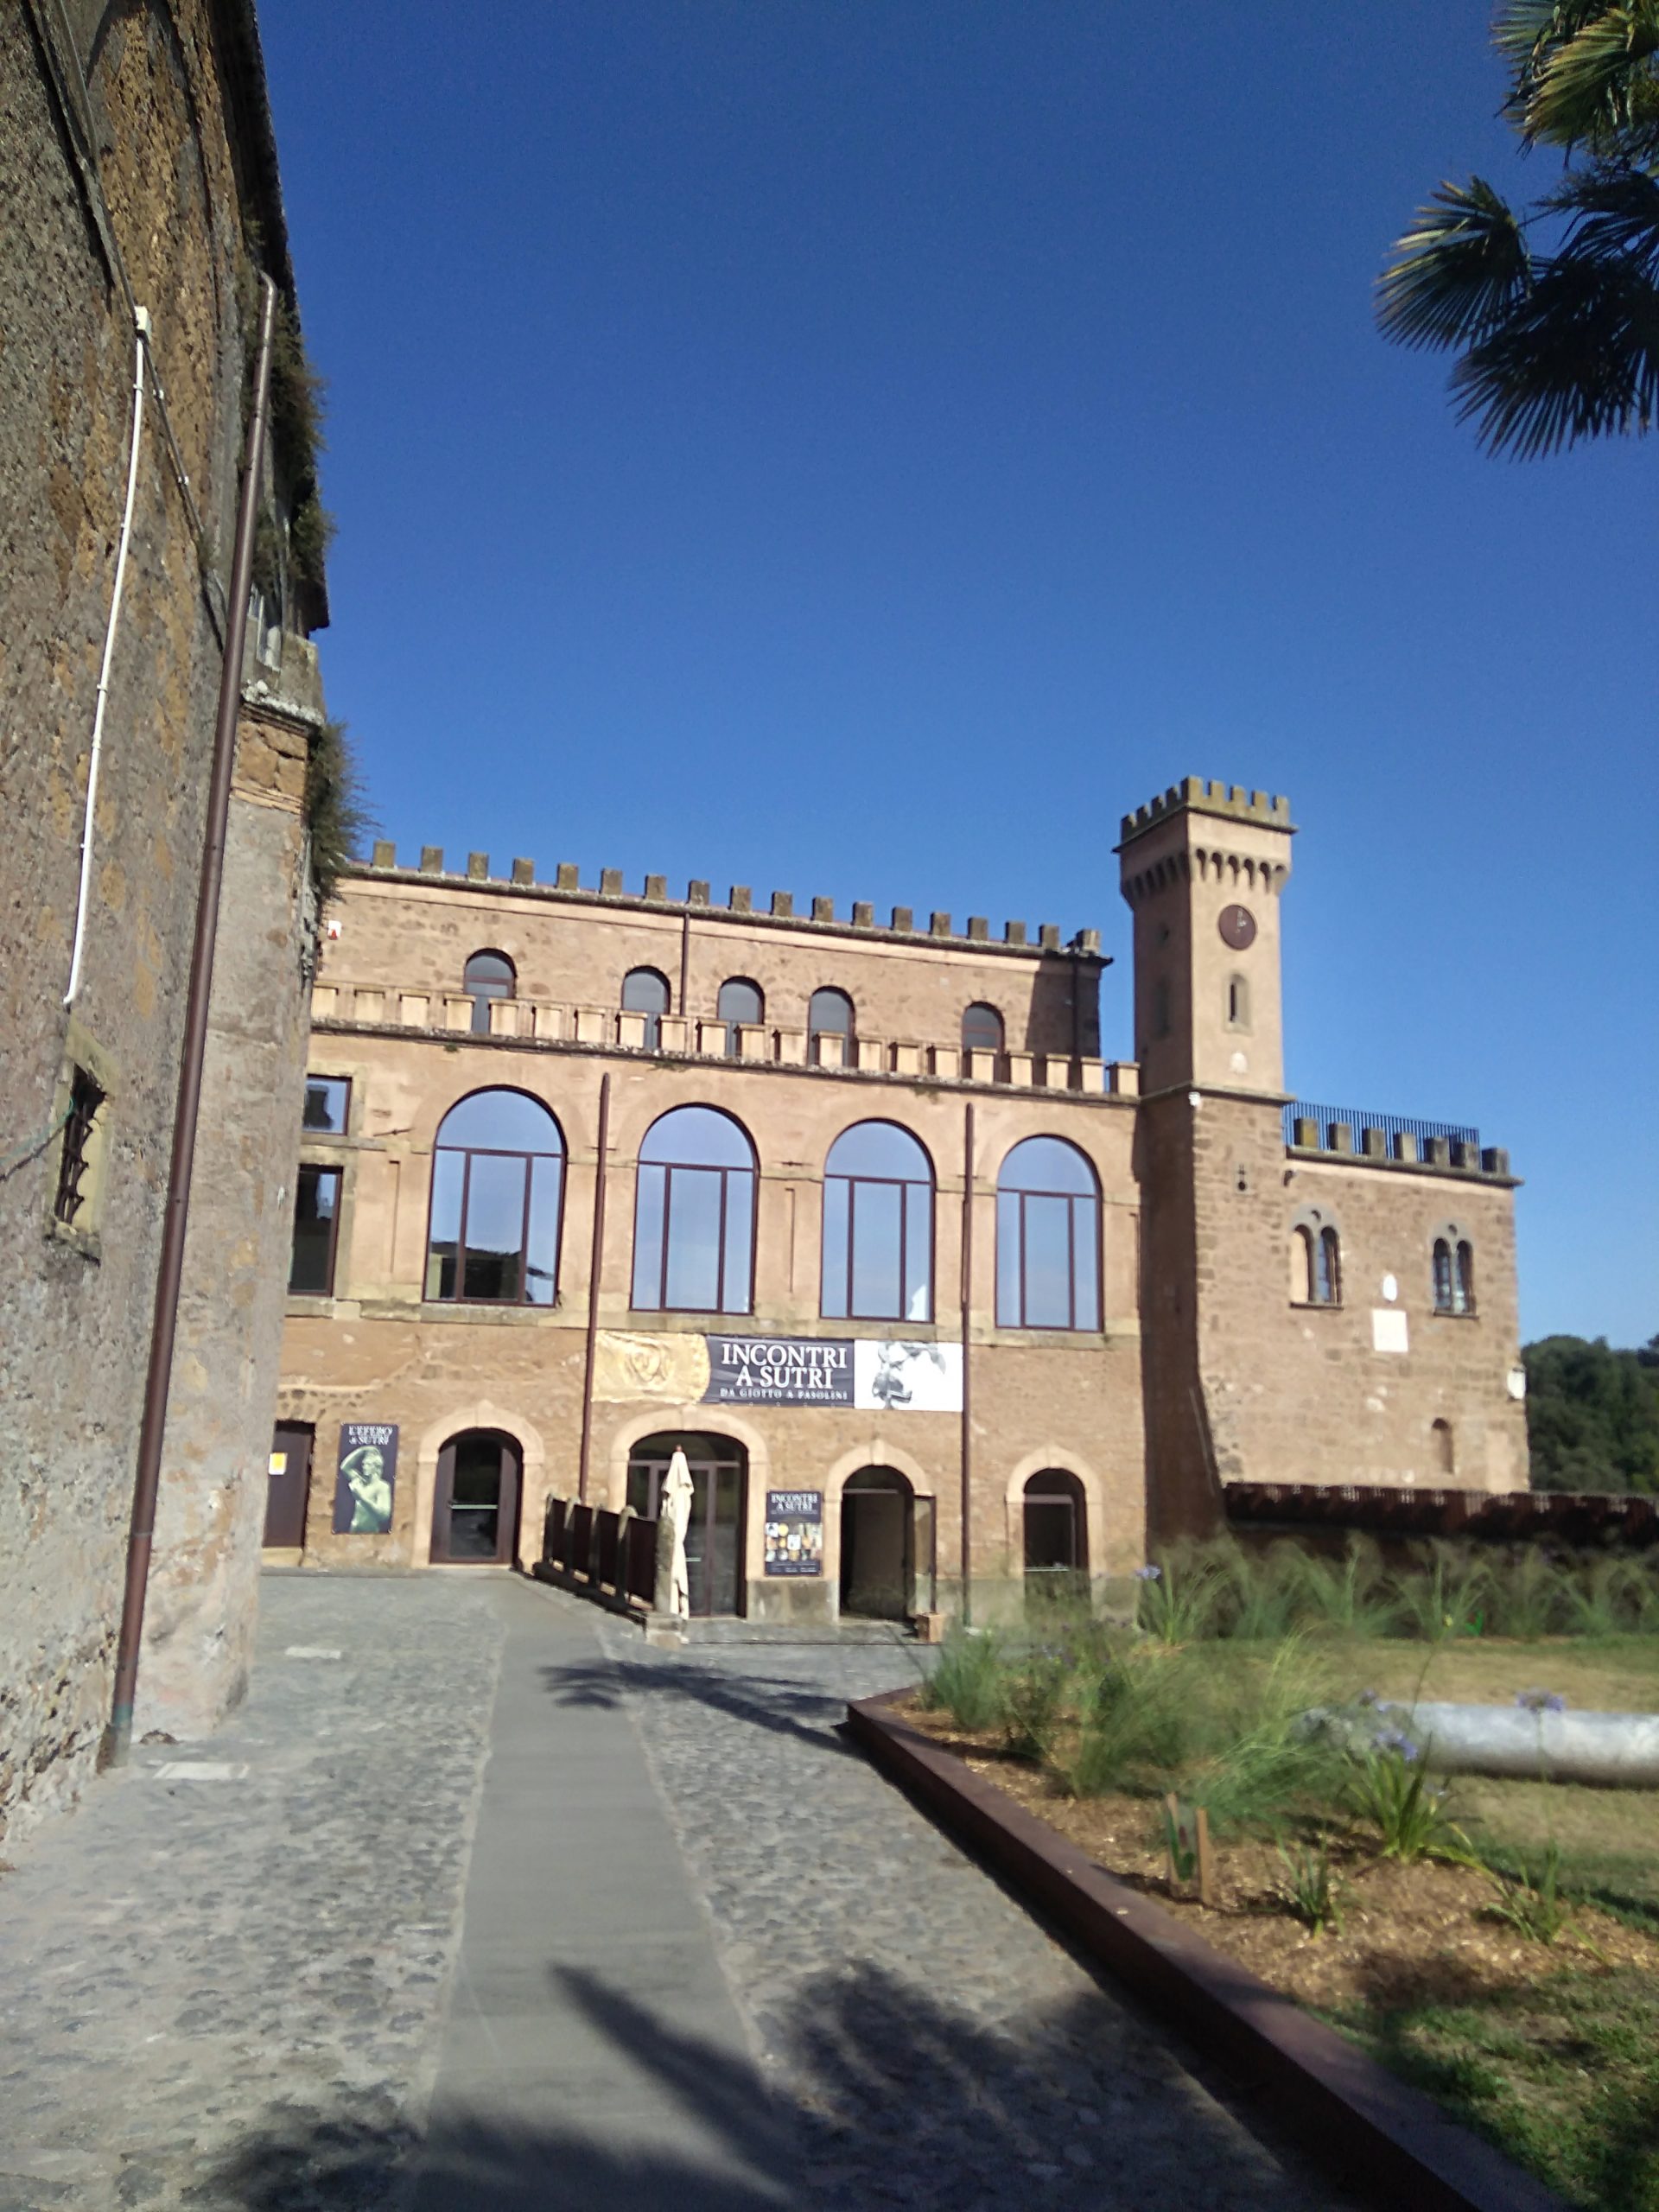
673	1514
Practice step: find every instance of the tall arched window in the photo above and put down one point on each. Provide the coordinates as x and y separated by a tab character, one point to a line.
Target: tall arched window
694	1215
487	975
645	990
830	1013
498	1187
981	1029
878	1226
741	1002
1455	1273
1446	1449
1056	1533
1047	1238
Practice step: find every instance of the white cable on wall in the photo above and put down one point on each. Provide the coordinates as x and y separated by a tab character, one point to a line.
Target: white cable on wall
142	318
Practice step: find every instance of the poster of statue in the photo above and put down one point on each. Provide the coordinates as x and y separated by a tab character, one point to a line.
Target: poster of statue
367	1472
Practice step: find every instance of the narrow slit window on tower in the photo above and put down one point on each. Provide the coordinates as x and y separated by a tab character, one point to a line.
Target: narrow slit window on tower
1238	1002
75	1159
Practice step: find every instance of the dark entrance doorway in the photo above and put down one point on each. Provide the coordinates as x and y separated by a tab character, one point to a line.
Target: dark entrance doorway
475	1505
290	1486
1056	1534
878	1545
714	1535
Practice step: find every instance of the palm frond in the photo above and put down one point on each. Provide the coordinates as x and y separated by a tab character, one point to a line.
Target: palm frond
1593	87
1614	209
1459	268
1577	356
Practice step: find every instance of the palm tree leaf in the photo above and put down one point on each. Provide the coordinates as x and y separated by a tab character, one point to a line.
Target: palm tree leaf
1615	216
1459	268
1576	357
1591	86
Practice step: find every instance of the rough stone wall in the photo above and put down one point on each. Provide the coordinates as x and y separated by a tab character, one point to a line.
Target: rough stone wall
417	936
75	1309
373	1352
203	1600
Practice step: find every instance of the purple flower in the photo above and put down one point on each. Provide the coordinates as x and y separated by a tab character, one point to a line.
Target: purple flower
1541	1701
1148	1573
1394	1740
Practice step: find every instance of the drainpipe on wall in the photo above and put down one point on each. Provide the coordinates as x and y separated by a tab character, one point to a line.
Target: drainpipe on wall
967	1387
117	1736
593	1287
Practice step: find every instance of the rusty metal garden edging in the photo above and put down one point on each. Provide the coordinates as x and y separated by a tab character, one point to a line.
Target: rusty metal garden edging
1376	2136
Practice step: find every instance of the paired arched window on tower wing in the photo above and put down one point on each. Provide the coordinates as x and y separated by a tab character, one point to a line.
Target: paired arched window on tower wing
878	1226
1315	1264
1455	1273
694	1215
740	1004
487	975
645	990
498	1189
1047	1238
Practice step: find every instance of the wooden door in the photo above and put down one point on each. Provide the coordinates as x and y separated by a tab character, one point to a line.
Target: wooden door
290	1486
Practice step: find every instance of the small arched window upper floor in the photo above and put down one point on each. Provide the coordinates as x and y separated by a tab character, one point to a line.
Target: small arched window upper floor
742	1004
830	1013
645	990
487	975
1315	1259
1452	1264
981	1028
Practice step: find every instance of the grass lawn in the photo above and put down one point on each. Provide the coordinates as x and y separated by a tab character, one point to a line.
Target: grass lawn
1551	2049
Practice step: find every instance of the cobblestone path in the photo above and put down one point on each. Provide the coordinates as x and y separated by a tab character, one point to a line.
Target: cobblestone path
229	1993
931	2044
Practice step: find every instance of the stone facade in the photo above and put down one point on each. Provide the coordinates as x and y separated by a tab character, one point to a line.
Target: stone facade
134	165
1203	1368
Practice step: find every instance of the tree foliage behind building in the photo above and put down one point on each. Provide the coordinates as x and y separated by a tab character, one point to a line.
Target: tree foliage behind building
1592	1415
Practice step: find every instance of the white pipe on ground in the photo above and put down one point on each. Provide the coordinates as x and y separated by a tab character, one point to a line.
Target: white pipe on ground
141	317
1615	1750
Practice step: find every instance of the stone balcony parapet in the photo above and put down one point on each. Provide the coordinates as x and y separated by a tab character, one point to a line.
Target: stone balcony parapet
535	1023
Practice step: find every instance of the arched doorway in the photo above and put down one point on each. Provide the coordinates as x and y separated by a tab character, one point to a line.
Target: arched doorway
713	1535
878	1544
475	1502
1056	1537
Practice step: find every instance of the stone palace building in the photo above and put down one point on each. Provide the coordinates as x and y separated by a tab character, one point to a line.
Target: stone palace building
858	1213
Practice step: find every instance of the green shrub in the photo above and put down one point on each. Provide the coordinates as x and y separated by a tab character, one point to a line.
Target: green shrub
1390	1788
1532	1903
1034	1702
1309	1886
969	1682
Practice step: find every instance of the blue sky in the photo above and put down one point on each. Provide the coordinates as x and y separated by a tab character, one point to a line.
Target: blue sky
863	446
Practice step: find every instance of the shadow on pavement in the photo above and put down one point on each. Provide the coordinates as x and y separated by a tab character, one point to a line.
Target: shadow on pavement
885	2097
763	1702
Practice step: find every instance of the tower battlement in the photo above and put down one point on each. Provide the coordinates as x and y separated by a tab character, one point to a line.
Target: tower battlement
1201	795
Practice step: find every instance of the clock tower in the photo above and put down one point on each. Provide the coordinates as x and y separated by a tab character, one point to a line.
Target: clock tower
1202	868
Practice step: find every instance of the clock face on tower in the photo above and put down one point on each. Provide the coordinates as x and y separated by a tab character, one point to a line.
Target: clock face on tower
1237	927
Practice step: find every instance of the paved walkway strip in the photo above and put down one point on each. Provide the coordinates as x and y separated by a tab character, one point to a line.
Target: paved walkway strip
499	1909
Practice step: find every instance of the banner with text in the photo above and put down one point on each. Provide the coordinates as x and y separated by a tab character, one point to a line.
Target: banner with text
877	1374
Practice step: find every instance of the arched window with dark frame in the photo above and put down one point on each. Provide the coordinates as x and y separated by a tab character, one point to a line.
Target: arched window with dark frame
487	975
1056	1533
645	990
740	1004
1455	1273
1047	1238
694	1215
981	1028
830	1013
498	1193
878	1226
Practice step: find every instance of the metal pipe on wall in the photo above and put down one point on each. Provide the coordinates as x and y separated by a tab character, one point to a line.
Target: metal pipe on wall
193	1053
592	1352
967	1383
